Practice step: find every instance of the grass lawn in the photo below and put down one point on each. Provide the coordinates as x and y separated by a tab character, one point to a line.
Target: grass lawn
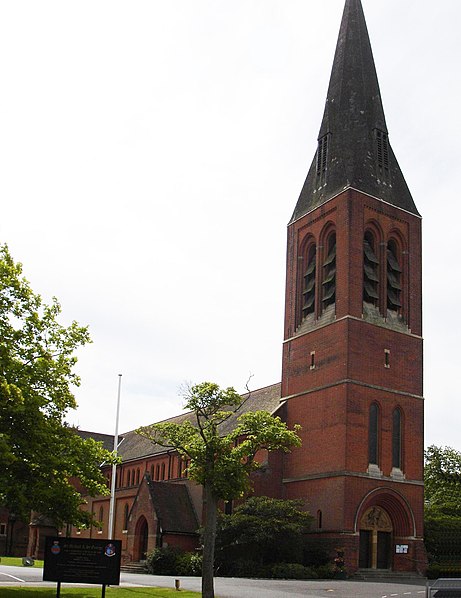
95	592
13	561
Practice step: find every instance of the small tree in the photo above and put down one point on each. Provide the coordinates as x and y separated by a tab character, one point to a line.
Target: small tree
221	463
264	530
442	481
39	453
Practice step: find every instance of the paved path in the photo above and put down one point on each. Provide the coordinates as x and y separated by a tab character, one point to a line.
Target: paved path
244	588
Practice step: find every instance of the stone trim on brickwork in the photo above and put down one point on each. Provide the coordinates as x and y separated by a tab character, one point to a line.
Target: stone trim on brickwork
351	188
350	381
320	324
350	474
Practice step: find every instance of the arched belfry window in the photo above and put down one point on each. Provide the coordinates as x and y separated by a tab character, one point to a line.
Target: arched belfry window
370	270
373	434
394	278
308	293
397	439
329	273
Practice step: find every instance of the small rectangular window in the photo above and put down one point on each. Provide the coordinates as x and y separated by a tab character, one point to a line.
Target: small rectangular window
312	367
387	358
2	529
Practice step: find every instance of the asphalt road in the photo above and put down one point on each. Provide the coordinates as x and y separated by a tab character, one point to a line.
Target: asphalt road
243	588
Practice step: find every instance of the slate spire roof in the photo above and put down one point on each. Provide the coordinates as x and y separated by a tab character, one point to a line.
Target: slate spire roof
353	146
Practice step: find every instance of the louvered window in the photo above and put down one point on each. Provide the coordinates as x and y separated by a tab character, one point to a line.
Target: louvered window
322	155
382	147
329	274
373	434
397	439
394	278
370	271
308	298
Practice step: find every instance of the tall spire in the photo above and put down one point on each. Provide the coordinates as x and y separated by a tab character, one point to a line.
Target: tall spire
353	146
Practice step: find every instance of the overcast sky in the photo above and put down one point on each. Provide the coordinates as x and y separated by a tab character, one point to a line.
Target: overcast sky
152	153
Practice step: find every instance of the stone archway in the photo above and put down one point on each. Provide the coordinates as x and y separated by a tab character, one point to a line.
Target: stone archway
375	531
141	539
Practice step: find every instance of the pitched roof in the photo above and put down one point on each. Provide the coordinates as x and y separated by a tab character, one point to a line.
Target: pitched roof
173	506
106	439
132	446
352	119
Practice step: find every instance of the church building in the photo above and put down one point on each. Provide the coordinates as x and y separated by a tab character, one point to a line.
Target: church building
352	355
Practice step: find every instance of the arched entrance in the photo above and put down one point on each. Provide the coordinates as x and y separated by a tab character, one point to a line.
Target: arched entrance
375	539
141	540
383	518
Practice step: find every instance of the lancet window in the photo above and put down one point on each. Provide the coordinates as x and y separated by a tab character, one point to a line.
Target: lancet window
329	273
397	439
394	278
126	512
308	293
370	270
373	432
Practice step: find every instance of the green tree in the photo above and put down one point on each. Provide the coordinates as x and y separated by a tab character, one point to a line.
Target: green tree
442	481
264	530
220	462
39	453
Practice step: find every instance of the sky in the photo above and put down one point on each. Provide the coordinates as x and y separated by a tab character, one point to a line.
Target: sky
152	153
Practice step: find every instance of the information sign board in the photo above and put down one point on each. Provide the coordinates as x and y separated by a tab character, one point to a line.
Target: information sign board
76	560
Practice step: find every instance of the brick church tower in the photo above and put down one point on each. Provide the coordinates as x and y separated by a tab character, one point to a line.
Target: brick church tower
352	355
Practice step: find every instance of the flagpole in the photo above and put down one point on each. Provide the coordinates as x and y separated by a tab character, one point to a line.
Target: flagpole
114	466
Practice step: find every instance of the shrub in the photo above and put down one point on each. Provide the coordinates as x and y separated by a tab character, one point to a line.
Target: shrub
163	561
443	538
315	553
244	568
325	571
436	570
189	564
265	530
293	571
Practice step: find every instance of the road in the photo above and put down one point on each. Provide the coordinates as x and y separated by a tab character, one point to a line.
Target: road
244	588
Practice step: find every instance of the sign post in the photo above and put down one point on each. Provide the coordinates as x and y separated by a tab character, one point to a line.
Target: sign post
76	560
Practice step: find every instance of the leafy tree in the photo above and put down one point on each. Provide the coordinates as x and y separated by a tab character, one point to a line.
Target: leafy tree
265	530
220	462
442	481
39	453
